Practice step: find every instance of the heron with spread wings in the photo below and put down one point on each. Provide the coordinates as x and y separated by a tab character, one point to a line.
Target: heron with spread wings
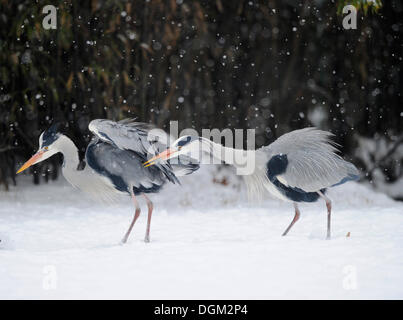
114	162
298	167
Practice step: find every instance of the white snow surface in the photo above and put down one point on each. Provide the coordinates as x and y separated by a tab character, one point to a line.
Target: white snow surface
207	242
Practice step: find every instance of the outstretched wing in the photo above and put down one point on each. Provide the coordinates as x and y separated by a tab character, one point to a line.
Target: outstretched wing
306	159
139	137
142	138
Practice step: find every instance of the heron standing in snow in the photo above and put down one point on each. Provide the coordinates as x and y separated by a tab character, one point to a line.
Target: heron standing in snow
114	162
297	167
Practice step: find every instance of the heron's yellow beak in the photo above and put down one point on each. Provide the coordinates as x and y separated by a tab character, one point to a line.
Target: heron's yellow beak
167	154
34	159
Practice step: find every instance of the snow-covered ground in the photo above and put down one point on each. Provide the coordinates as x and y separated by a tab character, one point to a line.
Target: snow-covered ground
207	242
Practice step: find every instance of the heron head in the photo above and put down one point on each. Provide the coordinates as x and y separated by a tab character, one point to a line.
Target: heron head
184	145
48	146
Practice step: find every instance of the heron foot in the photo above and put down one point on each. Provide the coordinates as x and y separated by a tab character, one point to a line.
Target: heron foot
147	239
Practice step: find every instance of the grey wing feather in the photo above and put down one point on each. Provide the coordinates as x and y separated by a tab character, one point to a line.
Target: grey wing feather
134	136
184	166
142	138
126	165
129	135
312	160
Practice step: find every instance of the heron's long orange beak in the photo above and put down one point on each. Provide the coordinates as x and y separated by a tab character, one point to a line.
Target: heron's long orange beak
163	155
34	159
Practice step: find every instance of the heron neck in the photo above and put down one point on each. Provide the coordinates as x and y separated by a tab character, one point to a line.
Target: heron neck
235	157
69	150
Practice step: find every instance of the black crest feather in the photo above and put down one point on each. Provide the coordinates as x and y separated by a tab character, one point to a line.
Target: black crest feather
51	134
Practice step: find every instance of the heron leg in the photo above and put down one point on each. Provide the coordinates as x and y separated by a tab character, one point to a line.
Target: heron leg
150	211
296	217
329	212
136	215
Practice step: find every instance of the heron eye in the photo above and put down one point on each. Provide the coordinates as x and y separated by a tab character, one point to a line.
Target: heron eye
179	147
46	148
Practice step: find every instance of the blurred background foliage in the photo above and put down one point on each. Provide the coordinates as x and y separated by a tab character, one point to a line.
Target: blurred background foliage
364	5
273	65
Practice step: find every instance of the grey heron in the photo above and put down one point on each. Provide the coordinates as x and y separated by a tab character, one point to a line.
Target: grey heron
297	167
114	162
